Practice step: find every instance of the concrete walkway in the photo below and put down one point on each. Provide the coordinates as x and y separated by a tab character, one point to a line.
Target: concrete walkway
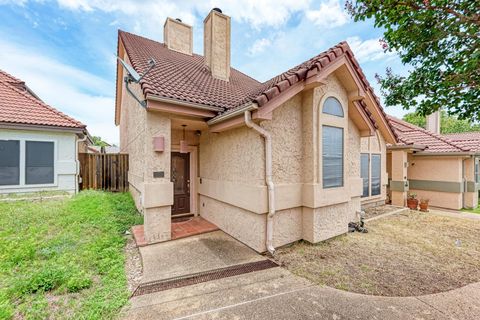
454	214
273	293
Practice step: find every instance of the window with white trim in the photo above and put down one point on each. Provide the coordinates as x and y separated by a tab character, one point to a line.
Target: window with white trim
365	173
9	162
370	172
332	156
24	162
333	106
376	175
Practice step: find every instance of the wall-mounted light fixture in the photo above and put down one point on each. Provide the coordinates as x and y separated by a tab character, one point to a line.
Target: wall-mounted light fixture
159	144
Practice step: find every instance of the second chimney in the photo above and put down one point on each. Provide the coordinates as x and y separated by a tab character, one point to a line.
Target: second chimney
178	36
216	44
433	122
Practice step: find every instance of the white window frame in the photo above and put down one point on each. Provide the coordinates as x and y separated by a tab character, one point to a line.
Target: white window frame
326	119
342	184
23	163
370	154
369	172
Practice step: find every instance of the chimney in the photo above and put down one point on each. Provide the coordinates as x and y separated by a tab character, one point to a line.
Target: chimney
178	36
433	122
216	44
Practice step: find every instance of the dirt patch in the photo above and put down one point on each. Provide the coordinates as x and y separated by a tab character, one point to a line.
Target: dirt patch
378	211
133	264
408	254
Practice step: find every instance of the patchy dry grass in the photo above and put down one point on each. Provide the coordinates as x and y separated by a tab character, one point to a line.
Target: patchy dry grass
402	255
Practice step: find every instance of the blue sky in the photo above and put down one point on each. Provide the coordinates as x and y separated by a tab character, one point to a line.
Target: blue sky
65	50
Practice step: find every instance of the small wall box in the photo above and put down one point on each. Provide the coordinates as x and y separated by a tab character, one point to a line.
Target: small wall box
159	144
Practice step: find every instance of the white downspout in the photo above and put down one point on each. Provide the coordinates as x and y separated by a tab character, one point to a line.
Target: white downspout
268	178
77	161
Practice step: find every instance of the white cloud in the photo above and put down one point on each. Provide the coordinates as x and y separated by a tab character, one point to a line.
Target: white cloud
254	12
329	15
259	13
66	88
259	46
368	50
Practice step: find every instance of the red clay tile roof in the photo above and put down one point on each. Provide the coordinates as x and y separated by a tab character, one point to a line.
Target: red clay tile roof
184	77
409	134
18	106
469	140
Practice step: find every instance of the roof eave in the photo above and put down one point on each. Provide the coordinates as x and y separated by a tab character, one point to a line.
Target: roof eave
40	127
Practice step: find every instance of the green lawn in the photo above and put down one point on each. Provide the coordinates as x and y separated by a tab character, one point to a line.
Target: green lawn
476	210
65	258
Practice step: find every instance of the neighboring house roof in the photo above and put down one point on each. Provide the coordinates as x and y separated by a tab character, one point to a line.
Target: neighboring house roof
409	134
469	140
186	78
19	106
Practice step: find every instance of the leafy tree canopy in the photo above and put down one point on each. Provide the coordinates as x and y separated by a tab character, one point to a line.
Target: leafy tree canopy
440	40
97	141
448	123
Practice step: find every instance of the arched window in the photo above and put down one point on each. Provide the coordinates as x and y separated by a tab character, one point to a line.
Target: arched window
332	106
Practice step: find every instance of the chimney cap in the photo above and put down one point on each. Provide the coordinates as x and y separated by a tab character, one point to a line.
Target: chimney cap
217	9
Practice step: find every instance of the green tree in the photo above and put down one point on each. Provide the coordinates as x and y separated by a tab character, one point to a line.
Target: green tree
97	141
440	41
448	123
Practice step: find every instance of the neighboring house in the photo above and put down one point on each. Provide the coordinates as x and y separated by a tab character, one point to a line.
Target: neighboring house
268	163
105	149
441	168
38	144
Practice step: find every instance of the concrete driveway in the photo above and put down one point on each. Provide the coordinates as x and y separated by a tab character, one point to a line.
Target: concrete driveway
270	294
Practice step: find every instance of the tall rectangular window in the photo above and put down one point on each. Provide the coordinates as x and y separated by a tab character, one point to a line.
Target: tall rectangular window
477	171
332	156
9	162
376	174
39	160
365	172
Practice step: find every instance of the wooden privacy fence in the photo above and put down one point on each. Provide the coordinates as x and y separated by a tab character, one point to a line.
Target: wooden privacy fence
104	171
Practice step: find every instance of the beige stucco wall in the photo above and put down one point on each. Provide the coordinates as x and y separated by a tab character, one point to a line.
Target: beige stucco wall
231	180
235	155
471	196
178	36
438	178
153	196
436	168
217	44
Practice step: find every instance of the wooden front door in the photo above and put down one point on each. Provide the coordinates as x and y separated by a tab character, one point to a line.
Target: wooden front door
181	182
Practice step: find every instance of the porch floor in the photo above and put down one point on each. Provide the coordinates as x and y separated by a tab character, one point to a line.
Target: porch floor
182	229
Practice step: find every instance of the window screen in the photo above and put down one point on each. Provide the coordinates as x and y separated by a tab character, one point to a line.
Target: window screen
333	106
376	168
39	162
332	155
365	172
9	162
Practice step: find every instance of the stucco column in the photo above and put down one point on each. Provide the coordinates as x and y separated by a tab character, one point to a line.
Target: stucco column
471	187
157	195
399	182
